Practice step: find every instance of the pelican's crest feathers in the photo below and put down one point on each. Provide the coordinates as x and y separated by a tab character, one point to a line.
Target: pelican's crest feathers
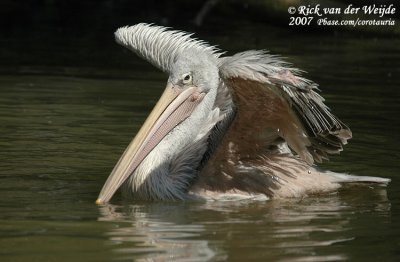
160	46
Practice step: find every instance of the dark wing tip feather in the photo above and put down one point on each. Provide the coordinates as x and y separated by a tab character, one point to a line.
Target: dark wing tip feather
326	132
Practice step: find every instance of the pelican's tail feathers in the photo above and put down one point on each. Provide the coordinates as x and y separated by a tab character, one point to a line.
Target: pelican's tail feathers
346	178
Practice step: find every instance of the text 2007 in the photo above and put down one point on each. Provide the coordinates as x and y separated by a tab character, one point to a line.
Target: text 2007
300	20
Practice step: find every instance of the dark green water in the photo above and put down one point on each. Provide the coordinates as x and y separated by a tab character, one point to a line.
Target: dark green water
60	136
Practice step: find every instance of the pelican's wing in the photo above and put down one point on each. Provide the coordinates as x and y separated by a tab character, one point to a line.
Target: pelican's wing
158	45
274	108
273	100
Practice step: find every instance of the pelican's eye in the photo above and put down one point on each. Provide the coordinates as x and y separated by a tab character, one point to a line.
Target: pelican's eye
187	79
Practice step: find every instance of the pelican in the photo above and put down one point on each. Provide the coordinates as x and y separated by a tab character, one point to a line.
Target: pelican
241	126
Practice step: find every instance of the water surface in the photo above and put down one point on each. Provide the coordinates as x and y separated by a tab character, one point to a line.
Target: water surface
61	134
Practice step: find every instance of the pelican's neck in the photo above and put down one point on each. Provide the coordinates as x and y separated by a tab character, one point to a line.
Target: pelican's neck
169	169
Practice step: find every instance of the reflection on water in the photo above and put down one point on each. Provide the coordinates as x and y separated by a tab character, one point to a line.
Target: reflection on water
282	230
153	238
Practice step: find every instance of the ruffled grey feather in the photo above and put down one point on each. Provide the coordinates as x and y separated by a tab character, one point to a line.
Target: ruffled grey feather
158	45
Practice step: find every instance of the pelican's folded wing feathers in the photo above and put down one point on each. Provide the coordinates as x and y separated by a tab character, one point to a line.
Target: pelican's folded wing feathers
273	95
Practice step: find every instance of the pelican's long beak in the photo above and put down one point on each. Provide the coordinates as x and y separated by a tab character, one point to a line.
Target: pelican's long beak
174	106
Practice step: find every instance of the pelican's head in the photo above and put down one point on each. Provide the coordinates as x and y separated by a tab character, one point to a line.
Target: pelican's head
195	68
161	161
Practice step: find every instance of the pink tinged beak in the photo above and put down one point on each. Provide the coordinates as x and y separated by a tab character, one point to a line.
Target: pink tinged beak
174	106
